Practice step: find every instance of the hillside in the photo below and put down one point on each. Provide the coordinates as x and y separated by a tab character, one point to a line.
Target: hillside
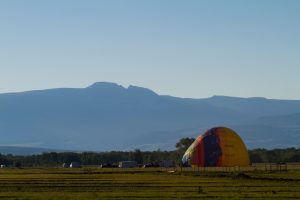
106	116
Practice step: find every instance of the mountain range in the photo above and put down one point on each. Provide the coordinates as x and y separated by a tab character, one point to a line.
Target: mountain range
106	116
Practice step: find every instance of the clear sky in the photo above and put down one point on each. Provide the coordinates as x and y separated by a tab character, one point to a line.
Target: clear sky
182	48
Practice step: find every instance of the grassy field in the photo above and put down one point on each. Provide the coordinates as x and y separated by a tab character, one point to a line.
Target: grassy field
93	183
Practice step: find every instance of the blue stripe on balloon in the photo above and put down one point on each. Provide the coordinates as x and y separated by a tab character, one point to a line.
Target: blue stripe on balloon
212	149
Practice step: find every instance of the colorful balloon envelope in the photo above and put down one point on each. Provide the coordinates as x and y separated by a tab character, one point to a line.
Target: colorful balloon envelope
217	147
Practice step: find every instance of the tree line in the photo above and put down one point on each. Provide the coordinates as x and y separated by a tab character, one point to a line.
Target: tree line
275	155
87	158
141	157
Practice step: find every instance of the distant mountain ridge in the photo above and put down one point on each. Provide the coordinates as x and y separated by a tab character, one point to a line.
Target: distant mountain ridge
23	151
107	116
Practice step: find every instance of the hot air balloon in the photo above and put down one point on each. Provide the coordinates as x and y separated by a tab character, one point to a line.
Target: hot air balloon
217	147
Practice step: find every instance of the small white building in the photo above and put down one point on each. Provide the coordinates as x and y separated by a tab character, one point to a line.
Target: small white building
127	164
167	163
65	165
75	165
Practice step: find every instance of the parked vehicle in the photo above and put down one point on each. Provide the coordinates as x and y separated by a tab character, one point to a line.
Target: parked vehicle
127	164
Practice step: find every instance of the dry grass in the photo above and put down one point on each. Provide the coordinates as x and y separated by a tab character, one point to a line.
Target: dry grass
93	183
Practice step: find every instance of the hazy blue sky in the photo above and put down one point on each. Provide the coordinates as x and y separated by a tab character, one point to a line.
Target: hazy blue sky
182	48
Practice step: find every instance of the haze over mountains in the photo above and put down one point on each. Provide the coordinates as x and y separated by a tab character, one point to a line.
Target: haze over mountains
106	116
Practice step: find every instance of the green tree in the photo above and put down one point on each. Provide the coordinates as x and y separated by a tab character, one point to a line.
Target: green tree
184	144
138	156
